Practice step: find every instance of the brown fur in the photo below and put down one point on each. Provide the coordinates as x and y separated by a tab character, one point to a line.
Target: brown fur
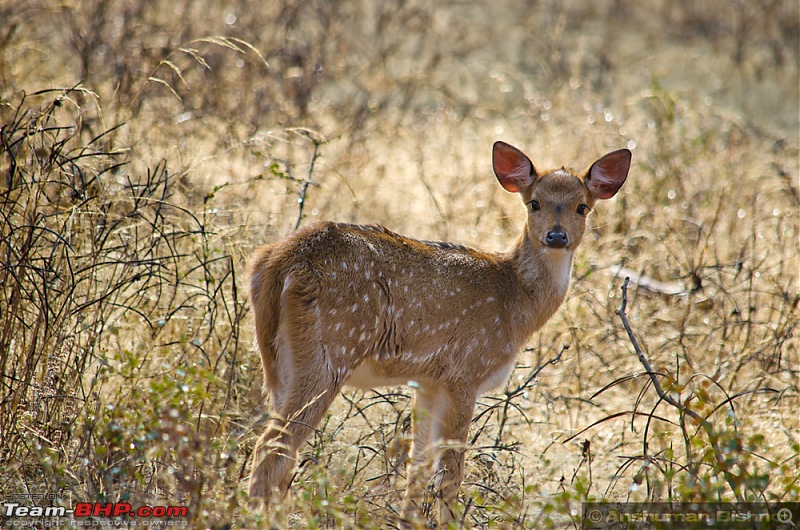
340	304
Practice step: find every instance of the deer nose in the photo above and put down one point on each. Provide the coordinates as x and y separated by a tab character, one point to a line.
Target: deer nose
556	238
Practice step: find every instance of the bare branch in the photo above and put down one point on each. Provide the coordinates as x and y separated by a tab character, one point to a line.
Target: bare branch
706	425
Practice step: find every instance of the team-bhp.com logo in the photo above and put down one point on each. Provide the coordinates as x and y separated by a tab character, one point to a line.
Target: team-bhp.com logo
119	509
116	513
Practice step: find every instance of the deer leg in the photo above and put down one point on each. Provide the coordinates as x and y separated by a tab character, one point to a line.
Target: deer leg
276	450
450	469
426	429
300	403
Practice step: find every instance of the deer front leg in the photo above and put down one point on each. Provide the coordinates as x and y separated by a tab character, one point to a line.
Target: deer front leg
441	421
426	429
450	469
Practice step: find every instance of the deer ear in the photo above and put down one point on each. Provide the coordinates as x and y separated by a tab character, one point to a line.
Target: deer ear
608	174
514	170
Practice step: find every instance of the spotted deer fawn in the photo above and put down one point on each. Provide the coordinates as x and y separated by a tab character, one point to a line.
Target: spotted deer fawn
341	304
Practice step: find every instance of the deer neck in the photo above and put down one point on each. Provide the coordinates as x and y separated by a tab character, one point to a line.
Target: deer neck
543	276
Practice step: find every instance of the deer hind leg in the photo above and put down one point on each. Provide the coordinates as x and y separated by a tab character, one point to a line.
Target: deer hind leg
304	404
305	389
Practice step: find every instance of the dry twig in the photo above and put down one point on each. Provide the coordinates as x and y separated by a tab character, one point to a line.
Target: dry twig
706	425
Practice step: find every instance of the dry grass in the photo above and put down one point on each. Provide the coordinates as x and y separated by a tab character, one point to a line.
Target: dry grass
147	147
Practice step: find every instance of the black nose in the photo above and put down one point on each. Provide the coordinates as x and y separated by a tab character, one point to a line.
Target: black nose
556	238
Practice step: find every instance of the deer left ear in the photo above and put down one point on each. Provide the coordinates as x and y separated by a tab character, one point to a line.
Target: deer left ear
608	174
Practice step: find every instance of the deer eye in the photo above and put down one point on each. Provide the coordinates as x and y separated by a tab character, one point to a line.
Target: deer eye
534	205
583	209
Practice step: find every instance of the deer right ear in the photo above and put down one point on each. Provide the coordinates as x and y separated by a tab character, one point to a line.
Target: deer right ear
514	170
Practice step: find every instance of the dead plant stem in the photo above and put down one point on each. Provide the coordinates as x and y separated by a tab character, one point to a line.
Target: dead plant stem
706	425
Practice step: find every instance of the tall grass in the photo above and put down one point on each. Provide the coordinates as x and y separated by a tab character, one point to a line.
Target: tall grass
114	297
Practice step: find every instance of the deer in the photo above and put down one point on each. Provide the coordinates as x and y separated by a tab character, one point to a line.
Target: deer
352	305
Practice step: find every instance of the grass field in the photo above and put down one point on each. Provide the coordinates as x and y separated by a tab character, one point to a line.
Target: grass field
147	147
